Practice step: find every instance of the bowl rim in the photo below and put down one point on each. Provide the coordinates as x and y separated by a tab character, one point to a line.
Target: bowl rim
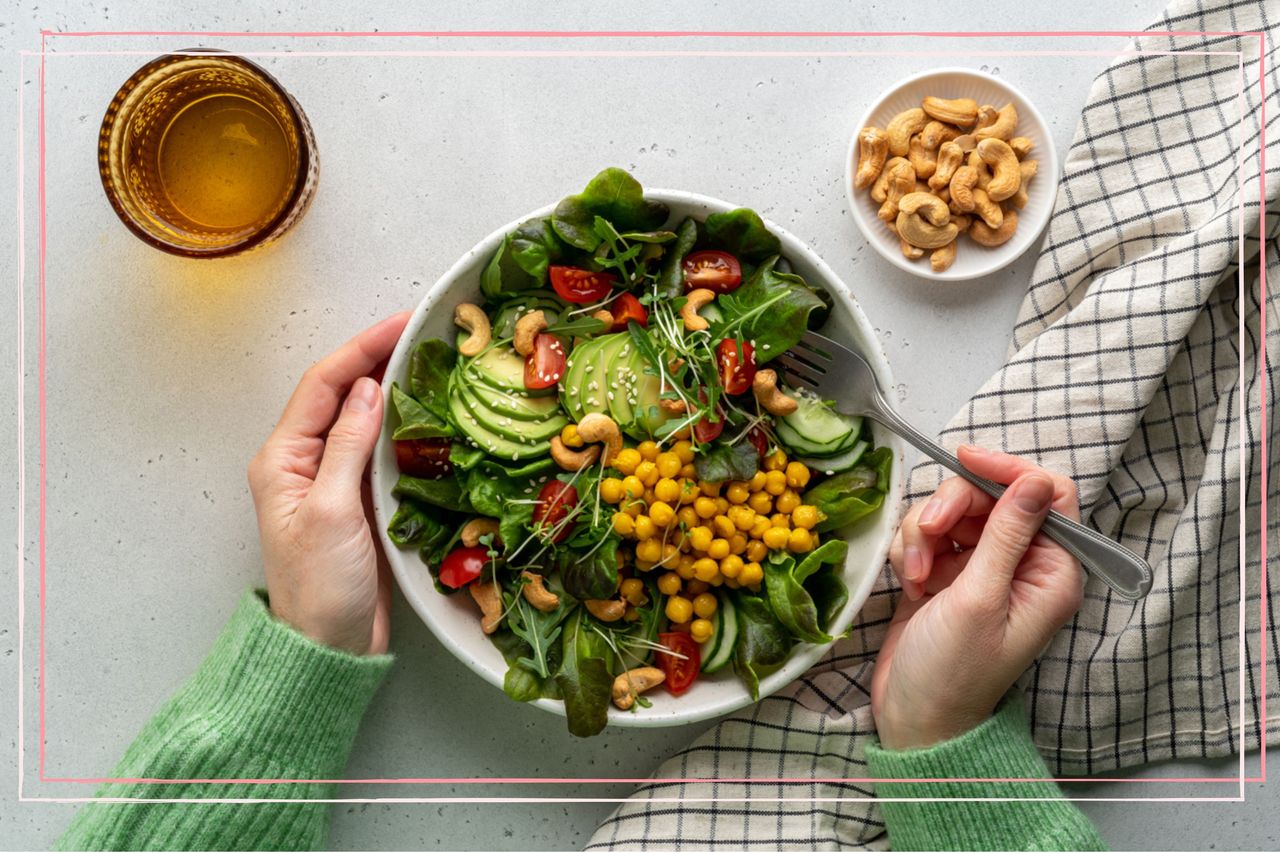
1002	256
805	655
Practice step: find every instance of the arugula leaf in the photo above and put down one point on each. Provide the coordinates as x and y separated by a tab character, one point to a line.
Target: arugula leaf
763	643
854	494
584	679
792	603
650	237
539	630
583	327
429	367
728	462
535	247
670	282
519	683
416	420
446	492
742	233
772	310
614	195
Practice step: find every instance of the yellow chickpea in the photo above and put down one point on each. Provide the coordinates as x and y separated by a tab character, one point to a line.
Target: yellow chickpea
705	605
649	550
626	460
800	541
670	554
669	584
688	490
732	583
685	567
797	475
632	507
569	436
661	513
756	550
709	489
645	529
705	569
805	516
775	538
704	507
744	519
683	451
722	505
723	526
787	501
780	520
669	464
689	471
752	574
776	461
631	614
611	490
761	503
738	543
648	496
624	524
647	472
648	450
757	481
666	489
775	482
632	487
632	590
731	566
686	516
695	588
718	549
738	492
701	630
679	610
761	524
700	538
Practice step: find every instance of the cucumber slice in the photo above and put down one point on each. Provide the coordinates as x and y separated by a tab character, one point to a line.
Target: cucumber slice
840	462
724	637
818	429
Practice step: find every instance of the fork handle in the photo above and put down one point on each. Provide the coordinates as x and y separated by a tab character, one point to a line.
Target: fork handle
1121	569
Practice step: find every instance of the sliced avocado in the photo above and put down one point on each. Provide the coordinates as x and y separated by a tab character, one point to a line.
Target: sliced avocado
570	390
648	414
487	440
593	380
617	391
508	427
511	404
504	321
501	368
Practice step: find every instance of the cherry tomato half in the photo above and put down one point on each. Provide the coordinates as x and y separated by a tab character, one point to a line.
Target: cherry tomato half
555	501
424	457
718	271
737	365
759	441
625	309
545	365
574	284
680	672
463	565
707	430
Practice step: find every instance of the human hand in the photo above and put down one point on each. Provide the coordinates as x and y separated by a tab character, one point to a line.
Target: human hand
984	592
317	547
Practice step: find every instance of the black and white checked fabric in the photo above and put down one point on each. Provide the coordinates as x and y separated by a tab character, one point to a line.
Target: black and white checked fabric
1128	371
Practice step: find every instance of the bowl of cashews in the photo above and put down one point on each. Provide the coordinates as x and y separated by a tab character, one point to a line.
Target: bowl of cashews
951	174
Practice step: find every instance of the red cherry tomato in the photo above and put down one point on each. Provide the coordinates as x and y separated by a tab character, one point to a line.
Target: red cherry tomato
424	457
545	365
555	501
463	565
707	430
736	372
625	309
680	672
573	284
759	440
718	271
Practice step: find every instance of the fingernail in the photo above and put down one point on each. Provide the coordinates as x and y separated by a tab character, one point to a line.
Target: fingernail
1033	493
930	511
912	564
363	394
973	448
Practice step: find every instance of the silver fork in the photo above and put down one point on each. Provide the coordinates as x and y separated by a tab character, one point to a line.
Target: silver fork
835	371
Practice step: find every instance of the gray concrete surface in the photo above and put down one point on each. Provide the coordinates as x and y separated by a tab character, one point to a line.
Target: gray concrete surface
164	375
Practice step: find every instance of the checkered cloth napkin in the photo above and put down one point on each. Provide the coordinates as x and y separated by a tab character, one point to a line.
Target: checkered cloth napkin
1128	371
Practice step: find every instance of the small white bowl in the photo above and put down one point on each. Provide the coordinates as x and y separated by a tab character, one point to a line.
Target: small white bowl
454	619
972	260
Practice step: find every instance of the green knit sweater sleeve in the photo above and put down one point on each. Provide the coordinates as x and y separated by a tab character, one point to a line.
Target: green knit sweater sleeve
267	703
1000	748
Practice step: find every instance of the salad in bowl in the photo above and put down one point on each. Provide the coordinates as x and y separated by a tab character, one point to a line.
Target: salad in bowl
600	466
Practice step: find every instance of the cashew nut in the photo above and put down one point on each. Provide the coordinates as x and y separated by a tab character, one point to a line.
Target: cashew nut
901	182
1027	170
985	235
603	316
961	111
980	166
927	205
1021	146
693	302
596	427
935	133
986	117
490	600
769	396
966	142
570	459
527	329
924	221
962	184
633	682
962	221
606	610
673	406
873	147
538	595
470	317
902	127
1005	173
950	156
943	257
922	159
880	189
1002	127
990	212
477	527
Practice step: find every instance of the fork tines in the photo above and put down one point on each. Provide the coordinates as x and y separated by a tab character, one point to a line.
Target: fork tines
807	362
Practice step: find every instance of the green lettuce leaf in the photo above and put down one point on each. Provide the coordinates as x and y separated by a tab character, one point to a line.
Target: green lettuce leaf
741	233
584	679
613	195
854	494
429	367
416	420
771	309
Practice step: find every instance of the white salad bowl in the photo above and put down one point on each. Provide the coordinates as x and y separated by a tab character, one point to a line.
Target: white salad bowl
454	619
972	261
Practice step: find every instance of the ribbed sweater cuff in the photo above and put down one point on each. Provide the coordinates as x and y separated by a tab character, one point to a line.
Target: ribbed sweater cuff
1000	748
283	694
